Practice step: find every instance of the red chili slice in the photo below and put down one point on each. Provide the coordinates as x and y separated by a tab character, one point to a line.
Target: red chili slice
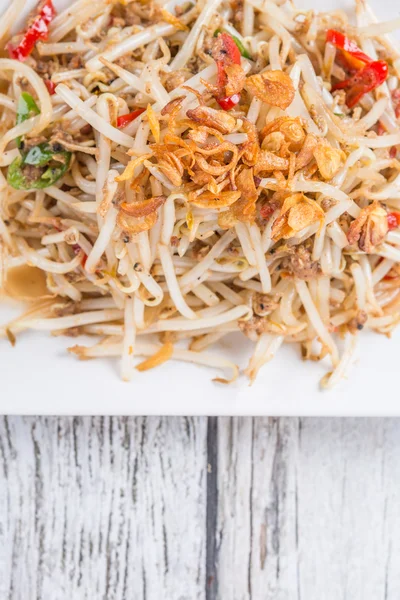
39	30
393	220
267	210
354	55
124	120
232	56
364	81
51	87
231	49
229	102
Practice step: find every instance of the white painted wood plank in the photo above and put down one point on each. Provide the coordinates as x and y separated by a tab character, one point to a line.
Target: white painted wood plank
94	508
309	509
348	508
274	566
234	508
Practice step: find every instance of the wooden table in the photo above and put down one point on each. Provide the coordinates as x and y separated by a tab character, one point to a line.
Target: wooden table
190	508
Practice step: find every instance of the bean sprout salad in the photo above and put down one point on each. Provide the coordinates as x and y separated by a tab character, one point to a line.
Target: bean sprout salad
172	172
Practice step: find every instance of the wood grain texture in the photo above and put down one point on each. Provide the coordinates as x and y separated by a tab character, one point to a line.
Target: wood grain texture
190	509
311	509
99	508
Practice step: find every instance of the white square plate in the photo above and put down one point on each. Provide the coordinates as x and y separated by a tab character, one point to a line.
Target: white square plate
38	376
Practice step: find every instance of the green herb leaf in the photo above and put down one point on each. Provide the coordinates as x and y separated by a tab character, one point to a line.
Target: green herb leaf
26	106
26	109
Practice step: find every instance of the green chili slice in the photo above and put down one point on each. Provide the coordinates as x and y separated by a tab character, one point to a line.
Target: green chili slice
39	168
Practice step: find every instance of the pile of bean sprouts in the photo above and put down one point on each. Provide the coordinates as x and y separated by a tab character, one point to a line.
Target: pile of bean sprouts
174	289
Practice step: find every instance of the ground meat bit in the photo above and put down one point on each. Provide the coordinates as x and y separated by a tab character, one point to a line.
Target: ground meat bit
232	250
46	67
176	79
214	46
72	332
118	22
32	173
263	304
75	62
127	62
86	129
199	250
124	16
61	139
132	19
357	323
29	143
301	264
136	12
237	12
344	221
74	277
195	64
63	310
73	191
254	327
